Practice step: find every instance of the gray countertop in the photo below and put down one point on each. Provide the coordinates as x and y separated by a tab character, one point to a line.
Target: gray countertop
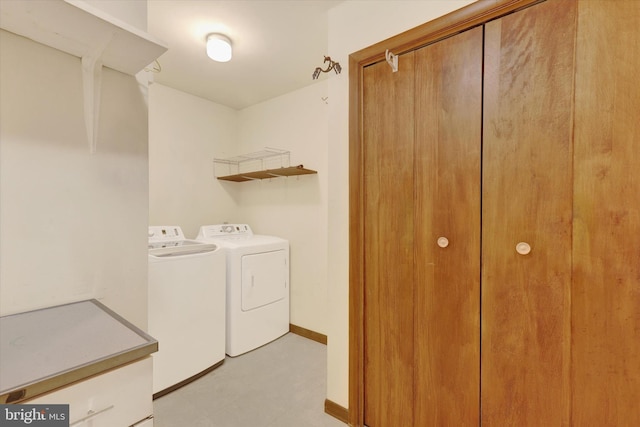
46	349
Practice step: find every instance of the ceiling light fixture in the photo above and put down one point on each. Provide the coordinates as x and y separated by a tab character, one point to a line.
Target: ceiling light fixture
219	47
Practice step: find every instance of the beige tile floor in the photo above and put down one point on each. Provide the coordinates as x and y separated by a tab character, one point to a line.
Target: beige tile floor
282	384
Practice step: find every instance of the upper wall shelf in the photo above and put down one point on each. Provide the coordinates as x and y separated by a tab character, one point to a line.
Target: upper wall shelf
265	164
82	30
268	173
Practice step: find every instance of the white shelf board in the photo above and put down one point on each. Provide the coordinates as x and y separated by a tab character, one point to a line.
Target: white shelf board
80	29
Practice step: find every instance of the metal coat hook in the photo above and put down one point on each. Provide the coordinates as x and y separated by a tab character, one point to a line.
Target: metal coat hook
392	60
333	65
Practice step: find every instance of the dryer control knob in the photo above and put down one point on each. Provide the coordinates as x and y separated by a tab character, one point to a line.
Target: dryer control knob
443	242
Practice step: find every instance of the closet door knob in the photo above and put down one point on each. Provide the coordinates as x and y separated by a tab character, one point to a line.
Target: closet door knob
443	242
523	248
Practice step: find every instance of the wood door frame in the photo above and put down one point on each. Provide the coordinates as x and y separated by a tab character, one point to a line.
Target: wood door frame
455	22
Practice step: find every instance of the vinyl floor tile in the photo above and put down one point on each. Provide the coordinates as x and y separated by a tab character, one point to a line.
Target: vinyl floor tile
282	384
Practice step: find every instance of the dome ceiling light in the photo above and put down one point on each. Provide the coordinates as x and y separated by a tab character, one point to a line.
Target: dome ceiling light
219	47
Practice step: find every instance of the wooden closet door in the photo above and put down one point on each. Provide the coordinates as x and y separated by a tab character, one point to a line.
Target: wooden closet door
388	111
606	287
527	197
447	293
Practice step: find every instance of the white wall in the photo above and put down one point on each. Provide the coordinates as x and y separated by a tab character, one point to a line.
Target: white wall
355	25
185	134
72	224
131	12
296	207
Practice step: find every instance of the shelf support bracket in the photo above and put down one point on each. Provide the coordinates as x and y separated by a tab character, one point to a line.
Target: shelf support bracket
92	88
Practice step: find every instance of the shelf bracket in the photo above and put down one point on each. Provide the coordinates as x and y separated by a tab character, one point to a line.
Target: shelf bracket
92	88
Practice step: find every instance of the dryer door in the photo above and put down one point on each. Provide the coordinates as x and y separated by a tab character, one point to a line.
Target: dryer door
265	278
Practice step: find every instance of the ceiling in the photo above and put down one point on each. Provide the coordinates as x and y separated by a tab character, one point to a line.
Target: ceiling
277	44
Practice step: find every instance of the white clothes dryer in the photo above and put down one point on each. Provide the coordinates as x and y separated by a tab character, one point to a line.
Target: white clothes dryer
257	285
187	282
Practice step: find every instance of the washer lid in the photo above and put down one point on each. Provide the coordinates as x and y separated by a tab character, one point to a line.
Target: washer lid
180	248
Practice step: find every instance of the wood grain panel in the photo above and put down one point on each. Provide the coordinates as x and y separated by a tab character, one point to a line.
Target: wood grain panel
606	288
356	246
447	294
527	197
460	20
337	411
388	243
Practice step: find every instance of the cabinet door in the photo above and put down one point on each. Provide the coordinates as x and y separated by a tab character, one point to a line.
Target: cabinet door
120	397
447	223
606	288
527	197
388	109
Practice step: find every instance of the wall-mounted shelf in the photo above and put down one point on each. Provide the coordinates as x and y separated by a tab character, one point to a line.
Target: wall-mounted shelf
82	30
268	173
265	164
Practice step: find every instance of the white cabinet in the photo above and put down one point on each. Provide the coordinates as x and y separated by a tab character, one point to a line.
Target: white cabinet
79	354
44	350
117	398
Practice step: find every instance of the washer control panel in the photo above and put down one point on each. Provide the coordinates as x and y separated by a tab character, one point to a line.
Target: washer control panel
165	233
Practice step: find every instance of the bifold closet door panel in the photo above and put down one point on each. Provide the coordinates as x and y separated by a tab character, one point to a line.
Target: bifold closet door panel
447	294
606	289
527	216
388	109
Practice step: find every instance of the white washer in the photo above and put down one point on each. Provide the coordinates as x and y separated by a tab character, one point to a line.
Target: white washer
257	285
186	307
